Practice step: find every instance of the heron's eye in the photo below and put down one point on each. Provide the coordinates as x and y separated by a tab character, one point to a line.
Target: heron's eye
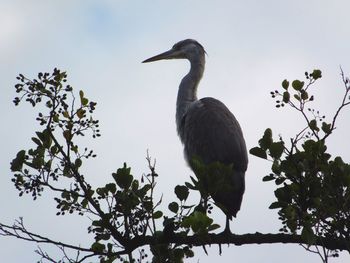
179	45
176	46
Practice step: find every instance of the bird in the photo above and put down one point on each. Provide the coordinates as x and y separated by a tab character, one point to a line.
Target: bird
207	128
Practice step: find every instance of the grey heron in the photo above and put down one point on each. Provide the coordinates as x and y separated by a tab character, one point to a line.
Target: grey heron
207	128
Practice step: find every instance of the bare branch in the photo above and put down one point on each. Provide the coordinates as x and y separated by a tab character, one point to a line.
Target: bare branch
343	103
19	231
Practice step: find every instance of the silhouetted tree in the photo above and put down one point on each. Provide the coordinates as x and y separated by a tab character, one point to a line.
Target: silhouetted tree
312	188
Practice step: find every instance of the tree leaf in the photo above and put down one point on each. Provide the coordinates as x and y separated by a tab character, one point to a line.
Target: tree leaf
316	74
286	96
37	141
276	149
304	95
181	192
173	207
17	163
78	162
266	141
56	118
297	84
326	127
257	151
123	178
307	234
269	177
213	227
280	180
313	125
81	94
80	113
190	186
84	101
111	187
67	135
275	205
285	84
157	214
97	247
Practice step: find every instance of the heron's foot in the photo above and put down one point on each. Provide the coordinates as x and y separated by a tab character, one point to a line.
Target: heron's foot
227	230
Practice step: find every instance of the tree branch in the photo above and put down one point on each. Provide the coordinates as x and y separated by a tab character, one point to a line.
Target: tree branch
238	240
19	231
85	189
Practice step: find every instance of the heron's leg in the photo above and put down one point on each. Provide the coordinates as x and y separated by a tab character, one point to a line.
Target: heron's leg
203	205
227	227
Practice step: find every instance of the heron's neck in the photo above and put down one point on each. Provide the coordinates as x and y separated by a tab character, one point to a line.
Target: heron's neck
188	89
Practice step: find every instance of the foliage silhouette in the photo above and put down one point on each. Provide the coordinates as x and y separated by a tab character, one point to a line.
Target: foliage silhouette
312	195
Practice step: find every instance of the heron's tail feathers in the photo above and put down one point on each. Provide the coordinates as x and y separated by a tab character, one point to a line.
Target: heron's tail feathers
229	200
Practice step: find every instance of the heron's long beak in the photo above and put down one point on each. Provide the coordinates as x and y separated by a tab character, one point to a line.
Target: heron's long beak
170	54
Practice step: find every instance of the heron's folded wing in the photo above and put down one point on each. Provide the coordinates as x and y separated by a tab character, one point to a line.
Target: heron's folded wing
211	132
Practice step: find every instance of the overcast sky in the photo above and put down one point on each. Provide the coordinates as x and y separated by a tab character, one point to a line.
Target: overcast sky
252	46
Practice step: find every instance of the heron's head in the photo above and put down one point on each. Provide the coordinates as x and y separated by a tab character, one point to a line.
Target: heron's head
189	49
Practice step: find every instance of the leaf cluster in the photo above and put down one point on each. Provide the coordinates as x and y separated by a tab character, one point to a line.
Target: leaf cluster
312	194
313	189
54	155
122	210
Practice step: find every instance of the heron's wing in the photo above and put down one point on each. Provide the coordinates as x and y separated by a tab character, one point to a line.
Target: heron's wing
211	132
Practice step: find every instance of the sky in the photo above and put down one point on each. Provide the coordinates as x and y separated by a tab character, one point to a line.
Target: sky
252	46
